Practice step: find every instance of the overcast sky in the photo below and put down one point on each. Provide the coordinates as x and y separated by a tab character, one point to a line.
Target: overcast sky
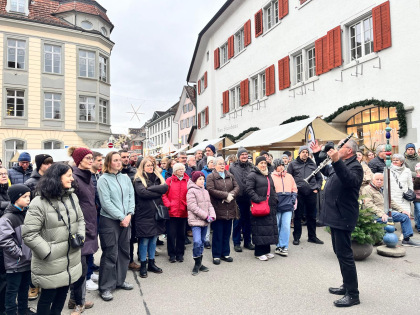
154	45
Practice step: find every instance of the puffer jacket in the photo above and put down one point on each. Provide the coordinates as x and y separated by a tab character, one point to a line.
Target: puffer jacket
176	196
377	165
241	171
403	176
286	190
199	205
33	181
373	198
4	198
55	263
264	229
219	189
301	170
17	256
18	176
410	162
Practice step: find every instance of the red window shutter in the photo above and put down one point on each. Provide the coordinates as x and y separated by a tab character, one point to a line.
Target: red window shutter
334	47
216	58
199	87
270	81
245	92
302	1
283	8
199	120
321	55
258	23
247	33
231	48
207	115
284	73
381	26
225	102
205	80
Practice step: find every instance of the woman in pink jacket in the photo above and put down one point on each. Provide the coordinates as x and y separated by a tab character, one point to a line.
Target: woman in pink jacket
200	213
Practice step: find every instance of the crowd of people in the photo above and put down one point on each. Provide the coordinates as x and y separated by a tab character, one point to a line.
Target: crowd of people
55	217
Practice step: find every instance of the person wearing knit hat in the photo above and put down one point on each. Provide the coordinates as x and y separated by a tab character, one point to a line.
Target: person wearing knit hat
240	151
78	154
268	159
209	151
411	158
304	147
285	159
212	148
260	159
20	173
17	191
196	175
43	162
40	158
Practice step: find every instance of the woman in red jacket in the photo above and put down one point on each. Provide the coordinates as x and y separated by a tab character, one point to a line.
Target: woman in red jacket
176	200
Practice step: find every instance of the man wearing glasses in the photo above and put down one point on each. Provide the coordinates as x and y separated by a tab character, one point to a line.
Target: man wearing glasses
19	174
182	158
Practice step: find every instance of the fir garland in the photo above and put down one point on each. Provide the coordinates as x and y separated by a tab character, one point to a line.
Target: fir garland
295	118
402	132
234	139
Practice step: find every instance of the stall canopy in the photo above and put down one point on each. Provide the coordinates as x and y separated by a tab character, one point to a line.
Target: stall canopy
289	136
216	142
59	155
167	148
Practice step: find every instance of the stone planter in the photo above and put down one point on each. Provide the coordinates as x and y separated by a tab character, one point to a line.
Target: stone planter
361	252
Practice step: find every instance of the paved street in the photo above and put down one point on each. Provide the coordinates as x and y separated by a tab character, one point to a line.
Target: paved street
297	284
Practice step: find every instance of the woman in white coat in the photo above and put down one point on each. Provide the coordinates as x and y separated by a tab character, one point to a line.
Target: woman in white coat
401	181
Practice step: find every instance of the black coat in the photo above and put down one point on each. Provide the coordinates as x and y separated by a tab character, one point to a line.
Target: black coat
264	229
144	215
301	170
341	193
377	165
241	171
130	171
4	198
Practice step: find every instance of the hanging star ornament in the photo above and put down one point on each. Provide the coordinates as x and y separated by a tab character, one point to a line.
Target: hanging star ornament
135	113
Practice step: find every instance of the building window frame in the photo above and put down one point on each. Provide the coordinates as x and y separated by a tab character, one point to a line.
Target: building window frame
235	98
366	31
89	64
54	56
311	62
103	68
54	143
17	7
87	108
303	65
224	54
17	52
54	99
298	68
15	99
271	15
103	111
12	151
239	41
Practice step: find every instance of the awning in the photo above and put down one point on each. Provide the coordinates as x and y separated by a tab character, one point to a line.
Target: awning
167	148
59	155
289	136
201	146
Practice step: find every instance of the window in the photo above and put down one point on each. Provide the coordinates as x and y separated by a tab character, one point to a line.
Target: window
87	25
15	103
104	31
311	62
52	59
164	123
52	106
190	107
239	41
103	111
361	38
202	88
258	87
52	145
184	108
86	64
254	88
235	98
223	54
87	108
298	68
11	147
18	6
16	53
262	83
271	14
103	68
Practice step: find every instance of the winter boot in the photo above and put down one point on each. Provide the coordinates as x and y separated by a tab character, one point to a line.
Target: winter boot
202	267
196	266
152	267
143	269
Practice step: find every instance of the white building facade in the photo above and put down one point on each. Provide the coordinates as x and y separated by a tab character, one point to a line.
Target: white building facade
264	62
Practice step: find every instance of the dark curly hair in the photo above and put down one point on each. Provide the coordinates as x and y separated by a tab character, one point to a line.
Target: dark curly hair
50	185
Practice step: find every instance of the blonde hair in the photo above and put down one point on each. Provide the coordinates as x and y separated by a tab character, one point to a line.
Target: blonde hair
142	175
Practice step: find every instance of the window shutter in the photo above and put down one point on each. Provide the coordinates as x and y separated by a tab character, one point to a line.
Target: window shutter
270	81
225	102
258	23
302	1
283	8
381	18
199	87
247	33
205	80
231	48
199	120
284	73
245	92
207	115
321	55
334	47
216	58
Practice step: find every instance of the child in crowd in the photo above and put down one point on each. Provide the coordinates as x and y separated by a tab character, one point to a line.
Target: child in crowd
200	213
17	256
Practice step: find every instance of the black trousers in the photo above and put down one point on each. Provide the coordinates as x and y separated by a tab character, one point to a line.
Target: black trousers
261	250
17	287
78	289
307	203
176	236
2	292
341	241
51	301
115	245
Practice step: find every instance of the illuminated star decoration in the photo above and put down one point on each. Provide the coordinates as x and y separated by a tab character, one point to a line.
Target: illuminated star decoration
135	112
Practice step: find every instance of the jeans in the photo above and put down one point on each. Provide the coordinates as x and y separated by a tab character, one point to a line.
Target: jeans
176	236
199	237
78	289
283	223
51	301
417	215
221	238
243	224
306	204
406	227
147	245
17	286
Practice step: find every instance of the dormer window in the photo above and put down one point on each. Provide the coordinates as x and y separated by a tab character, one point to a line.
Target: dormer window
87	25
104	31
17	6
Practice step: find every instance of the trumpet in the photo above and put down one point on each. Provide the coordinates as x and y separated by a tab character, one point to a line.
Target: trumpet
326	161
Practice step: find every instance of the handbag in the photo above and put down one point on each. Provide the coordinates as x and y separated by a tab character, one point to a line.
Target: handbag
409	195
162	212
261	209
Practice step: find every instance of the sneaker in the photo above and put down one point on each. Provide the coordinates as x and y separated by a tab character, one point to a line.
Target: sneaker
126	286
207	245
237	248
106	295
411	243
91	286
270	256
79	309
172	259
72	304
133	266
94	277
284	252
278	250
29	311
226	258
216	261
33	294
262	257
249	246
315	240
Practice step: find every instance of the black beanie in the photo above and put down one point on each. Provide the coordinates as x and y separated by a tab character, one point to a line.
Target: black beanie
40	158
260	159
263	152
17	191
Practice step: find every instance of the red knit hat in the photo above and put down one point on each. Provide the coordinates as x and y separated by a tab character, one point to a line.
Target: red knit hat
78	155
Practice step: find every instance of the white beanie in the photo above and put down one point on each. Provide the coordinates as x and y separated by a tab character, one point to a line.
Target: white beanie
210	158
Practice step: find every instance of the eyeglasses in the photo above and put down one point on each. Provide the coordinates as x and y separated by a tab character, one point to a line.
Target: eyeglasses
88	158
3	174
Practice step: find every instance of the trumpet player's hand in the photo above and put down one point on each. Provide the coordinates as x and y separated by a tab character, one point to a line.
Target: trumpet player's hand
384	218
315	147
333	154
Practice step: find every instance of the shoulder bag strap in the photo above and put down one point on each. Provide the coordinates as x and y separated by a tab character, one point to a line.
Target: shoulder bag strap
60	217
268	188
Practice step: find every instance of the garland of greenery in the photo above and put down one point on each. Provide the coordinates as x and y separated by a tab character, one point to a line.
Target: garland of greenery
402	132
234	139
295	118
